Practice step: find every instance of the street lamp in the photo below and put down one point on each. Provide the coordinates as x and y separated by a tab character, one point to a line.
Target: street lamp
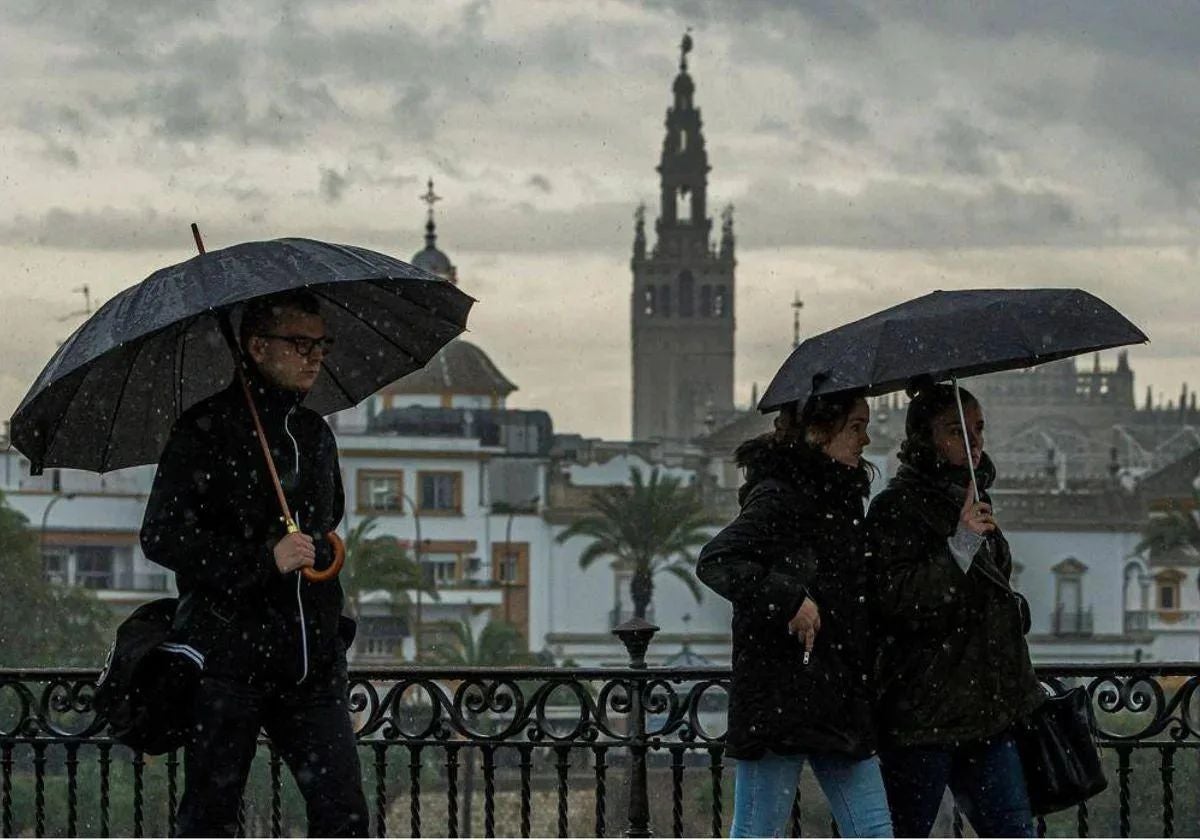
420	572
45	516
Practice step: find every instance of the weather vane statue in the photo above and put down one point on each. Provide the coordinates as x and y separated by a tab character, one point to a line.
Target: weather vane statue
685	47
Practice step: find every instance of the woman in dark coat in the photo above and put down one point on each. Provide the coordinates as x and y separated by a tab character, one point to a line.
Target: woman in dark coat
955	672
792	564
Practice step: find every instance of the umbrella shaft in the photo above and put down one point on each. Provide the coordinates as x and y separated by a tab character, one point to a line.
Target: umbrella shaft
962	421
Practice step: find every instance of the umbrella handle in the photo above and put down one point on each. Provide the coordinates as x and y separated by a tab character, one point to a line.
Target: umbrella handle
339	559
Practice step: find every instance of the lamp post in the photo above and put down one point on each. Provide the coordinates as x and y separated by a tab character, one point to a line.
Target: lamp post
420	572
45	517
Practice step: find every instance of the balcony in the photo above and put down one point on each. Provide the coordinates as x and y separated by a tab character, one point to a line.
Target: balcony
1161	621
546	751
1063	623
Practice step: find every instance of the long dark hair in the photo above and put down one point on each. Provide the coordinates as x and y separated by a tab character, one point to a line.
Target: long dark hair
929	401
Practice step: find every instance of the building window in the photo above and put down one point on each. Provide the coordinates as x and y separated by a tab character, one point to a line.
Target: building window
509	562
687	295
440	492
380	491
648	300
664	301
56	565
443	566
1167	585
94	566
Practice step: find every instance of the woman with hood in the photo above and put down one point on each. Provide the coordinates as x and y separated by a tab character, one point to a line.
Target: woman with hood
954	667
792	564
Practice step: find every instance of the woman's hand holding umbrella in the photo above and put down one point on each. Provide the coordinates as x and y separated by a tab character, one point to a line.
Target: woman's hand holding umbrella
976	517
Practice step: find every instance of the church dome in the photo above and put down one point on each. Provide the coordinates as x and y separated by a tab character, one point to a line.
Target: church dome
459	368
434	261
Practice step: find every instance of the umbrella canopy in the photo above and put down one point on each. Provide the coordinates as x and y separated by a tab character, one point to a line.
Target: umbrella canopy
950	334
108	398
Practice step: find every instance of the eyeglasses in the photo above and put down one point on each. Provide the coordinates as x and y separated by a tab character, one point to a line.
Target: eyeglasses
304	345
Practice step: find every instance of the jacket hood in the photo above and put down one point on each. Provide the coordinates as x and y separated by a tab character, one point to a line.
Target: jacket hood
766	457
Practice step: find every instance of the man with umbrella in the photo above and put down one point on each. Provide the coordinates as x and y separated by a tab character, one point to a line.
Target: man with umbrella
248	489
273	656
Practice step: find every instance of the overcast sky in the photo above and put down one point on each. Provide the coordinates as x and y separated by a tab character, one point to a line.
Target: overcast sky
872	152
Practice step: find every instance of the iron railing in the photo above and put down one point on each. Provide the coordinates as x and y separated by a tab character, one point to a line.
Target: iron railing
549	751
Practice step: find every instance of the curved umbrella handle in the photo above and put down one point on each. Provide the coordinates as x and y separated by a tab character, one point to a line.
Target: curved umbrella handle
339	559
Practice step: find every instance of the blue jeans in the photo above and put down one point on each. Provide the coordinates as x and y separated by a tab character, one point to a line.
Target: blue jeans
985	777
764	789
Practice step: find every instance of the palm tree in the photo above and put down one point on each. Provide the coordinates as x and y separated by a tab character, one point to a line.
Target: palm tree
498	644
380	564
649	527
1172	530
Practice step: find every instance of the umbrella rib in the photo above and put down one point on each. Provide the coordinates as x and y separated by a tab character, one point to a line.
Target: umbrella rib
371	326
179	355
337	382
117	405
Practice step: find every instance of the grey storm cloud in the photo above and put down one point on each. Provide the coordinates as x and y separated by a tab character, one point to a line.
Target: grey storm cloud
540	182
844	123
333	185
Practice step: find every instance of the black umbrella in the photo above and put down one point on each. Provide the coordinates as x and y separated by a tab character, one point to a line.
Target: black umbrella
108	398
949	335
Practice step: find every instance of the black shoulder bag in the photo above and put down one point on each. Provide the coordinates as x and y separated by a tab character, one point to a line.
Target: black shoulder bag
1057	744
1058	753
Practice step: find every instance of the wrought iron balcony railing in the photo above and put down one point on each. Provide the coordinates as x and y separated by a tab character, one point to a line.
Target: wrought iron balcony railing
548	751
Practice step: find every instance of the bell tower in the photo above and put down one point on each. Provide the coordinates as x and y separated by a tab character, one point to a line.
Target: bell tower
683	288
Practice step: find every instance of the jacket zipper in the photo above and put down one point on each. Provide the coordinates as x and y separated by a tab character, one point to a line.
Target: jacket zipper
299	577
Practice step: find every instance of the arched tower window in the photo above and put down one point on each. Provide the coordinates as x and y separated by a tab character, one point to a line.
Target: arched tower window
687	295
664	301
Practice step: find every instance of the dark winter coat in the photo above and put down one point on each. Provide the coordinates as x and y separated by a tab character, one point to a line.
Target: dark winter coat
799	534
954	665
213	518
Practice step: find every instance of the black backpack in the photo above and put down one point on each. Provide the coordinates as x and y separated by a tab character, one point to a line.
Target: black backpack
147	688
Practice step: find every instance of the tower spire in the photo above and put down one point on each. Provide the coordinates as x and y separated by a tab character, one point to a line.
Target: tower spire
797	305
430	198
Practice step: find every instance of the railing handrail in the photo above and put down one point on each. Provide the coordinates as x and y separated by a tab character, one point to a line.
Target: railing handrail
448	672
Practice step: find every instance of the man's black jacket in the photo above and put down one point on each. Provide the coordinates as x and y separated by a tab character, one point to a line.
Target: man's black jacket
214	519
799	534
954	663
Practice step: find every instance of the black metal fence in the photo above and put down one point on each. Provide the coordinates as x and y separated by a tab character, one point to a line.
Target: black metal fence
550	751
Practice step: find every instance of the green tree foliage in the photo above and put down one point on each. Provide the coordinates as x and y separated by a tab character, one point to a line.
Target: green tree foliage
378	563
1171	530
43	624
498	644
649	528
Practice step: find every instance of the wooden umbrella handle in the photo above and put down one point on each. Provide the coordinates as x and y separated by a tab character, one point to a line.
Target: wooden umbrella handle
339	557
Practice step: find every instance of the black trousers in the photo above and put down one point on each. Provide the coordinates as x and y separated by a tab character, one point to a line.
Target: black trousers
309	725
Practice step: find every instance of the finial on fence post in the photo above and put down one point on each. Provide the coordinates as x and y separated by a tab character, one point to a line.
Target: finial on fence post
636	634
